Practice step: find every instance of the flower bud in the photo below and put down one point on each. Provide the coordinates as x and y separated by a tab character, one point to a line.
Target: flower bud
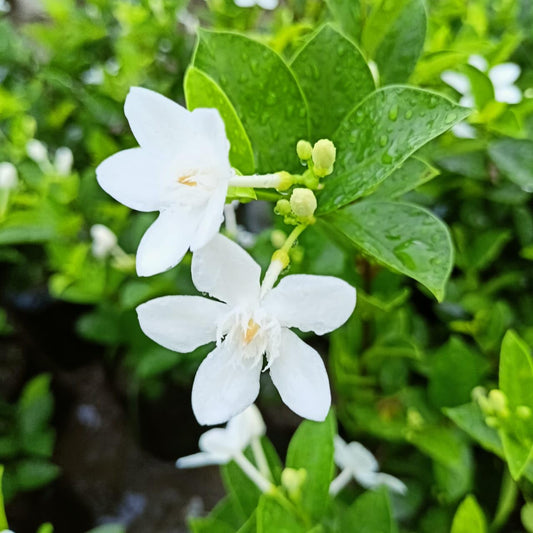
324	153
293	480
37	151
8	176
277	238
304	150
498	402
523	412
63	161
283	207
303	202
104	240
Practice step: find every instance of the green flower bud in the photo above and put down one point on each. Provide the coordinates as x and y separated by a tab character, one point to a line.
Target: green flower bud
498	402
324	153
304	150
303	202
283	207
523	412
292	480
492	422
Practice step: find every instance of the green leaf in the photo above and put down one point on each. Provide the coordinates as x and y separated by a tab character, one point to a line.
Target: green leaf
348	15
35	473
413	173
394	36
275	516
516	371
454	371
36	405
334	77
311	448
109	528
480	85
371	512
3	519
469	517
379	135
202	91
209	525
514	157
443	444
403	237
263	92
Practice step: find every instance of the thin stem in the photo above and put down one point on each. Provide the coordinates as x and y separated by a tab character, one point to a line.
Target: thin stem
291	239
265	181
260	458
340	482
249	469
506	502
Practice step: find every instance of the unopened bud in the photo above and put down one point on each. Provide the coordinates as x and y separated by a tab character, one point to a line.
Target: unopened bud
283	207
277	238
37	151
63	161
414	418
324	153
492	422
303	202
304	150
104	241
293	480
498	402
8	176
523	412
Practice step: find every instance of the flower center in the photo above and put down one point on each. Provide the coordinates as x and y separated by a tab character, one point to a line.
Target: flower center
251	332
187	180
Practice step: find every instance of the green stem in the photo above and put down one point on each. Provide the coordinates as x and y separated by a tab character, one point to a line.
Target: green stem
506	502
292	238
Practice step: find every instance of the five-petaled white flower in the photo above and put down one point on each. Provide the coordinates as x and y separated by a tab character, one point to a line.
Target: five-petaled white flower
355	461
181	169
247	325
220	445
265	4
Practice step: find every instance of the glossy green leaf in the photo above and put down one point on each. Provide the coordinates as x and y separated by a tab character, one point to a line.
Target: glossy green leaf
202	91
311	448
263	92
348	14
277	516
394	36
379	135
403	237
370	513
469	518
480	85
413	173
514	157
334	77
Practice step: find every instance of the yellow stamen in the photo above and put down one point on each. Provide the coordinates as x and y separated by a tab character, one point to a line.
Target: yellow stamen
251	332
186	180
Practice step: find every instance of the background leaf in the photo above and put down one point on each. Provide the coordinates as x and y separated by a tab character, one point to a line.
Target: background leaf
514	157
469	518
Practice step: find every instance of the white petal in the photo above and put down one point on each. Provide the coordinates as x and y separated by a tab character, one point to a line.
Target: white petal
456	80
245	3
463	130
133	178
158	123
212	218
201	459
504	74
180	323
467	101
392	482
362	460
300	376
244	427
268	4
311	303
166	241
479	62
223	387
509	94
341	454
225	271
216	442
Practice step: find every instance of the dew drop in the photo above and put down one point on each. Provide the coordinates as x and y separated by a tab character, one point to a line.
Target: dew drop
393	112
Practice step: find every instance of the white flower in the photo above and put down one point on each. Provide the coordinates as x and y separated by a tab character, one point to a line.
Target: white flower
249	324
181	169
265	4
37	151
104	241
8	176
355	461
219	446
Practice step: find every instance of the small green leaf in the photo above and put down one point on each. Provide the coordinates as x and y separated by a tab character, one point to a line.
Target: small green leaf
311	448
334	77
277	516
264	94
404	237
36	405
202	91
469	517
348	15
514	157
371	513
109	528
413	173
35	473
480	85
379	135
394	36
